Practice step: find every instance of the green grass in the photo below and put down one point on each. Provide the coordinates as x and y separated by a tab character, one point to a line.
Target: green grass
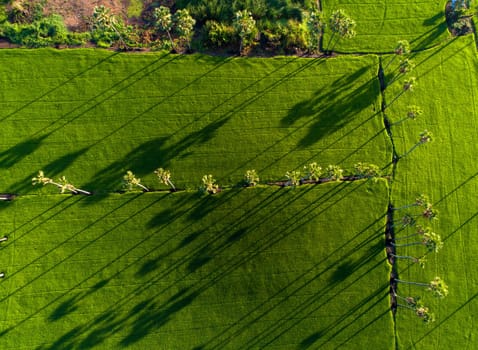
446	170
91	115
380	24
263	268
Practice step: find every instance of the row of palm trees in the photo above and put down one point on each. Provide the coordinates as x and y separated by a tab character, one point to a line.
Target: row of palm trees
419	211
311	173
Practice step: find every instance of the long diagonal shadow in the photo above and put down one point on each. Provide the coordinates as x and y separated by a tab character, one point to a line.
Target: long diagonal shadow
53	89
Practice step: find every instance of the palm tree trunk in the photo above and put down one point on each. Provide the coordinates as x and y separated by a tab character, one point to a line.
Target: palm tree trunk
405	206
402	238
390	62
399	121
84	192
413	283
411	150
407	244
403	257
143	187
172	186
171	40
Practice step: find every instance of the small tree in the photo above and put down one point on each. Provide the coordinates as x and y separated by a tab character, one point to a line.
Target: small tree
431	240
294	177
334	172
164	21
314	171
420	201
437	286
164	176
367	171
408	85
413	113
405	67
407	220
130	180
424	137
63	184
341	26
245	27
402	48
416	305
251	178
184	26
67	186
209	184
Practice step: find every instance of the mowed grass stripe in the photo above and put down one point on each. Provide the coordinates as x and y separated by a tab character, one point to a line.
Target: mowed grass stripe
258	267
83	128
382	23
446	170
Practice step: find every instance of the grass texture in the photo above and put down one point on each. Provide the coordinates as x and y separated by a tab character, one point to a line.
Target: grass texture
91	115
381	23
253	268
446	170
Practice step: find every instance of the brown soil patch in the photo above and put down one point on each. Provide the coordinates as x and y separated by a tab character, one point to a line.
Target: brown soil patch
76	13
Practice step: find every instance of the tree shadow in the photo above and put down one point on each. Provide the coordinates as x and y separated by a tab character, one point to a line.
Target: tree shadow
147	318
429	37
51	170
15	154
332	107
145	158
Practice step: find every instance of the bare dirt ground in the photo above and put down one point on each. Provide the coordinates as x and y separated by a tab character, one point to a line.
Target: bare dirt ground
76	13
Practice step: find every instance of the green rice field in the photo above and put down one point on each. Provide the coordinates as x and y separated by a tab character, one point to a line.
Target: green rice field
268	267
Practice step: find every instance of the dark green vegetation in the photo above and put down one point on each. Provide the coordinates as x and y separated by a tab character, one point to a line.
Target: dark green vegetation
263	267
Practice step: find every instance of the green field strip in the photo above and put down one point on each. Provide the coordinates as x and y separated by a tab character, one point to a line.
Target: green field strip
112	112
380	24
445	170
261	268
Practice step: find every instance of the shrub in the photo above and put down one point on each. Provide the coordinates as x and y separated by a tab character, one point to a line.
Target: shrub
220	34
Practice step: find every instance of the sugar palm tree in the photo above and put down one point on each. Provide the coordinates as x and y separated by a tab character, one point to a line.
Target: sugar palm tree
406	220
402	48
209	184
342	26
367	171
431	240
335	173
314	171
408	85
429	213
130	180
424	137
420	201
413	113
164	21
184	25
416	305
245	26
406	66
66	186
294	177
251	178
164	176
437	286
